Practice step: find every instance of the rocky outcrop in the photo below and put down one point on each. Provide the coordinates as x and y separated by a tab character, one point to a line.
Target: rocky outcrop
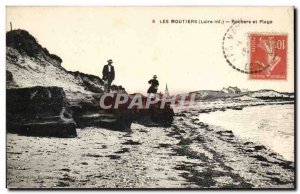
86	115
39	111
117	122
32	76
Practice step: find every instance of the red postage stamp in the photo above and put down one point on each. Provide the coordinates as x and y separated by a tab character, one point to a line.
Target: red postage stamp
268	53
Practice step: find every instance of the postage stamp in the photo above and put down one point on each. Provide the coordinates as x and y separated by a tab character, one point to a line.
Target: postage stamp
268	51
263	56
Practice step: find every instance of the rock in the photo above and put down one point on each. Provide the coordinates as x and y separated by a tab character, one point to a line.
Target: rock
163	117
86	116
10	80
259	147
39	111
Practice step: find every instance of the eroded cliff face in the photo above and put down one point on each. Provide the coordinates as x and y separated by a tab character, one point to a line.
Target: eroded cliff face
32	65
32	73
42	96
39	111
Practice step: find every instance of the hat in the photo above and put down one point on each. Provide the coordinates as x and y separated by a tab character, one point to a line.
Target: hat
154	76
109	60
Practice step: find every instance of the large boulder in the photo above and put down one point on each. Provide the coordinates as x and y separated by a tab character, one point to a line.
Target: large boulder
39	111
90	114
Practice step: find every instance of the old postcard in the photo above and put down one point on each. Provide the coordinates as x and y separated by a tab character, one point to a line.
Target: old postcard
150	97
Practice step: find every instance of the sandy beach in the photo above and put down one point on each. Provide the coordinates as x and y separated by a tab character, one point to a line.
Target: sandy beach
189	154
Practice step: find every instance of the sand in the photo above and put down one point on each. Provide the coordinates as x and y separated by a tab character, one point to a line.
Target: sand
189	154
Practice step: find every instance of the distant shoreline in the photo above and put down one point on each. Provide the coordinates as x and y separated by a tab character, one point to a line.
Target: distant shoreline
232	105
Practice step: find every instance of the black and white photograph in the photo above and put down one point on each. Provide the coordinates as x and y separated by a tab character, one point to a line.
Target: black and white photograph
150	97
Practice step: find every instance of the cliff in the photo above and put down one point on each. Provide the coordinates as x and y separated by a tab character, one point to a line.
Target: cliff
28	64
30	71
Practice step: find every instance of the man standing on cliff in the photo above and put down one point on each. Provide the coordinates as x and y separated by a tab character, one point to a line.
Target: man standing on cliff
108	75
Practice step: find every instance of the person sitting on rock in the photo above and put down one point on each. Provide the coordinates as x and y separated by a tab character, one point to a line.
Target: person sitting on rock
108	74
154	85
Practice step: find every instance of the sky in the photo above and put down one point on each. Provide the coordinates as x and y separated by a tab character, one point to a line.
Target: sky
187	57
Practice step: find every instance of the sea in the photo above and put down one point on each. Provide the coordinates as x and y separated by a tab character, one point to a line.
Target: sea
269	125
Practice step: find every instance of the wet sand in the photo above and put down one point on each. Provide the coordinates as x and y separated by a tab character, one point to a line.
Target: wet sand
189	154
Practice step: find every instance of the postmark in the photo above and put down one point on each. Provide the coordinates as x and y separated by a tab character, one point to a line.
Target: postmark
235	47
270	51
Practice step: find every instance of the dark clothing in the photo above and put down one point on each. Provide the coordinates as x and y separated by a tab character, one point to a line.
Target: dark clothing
108	75
154	85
